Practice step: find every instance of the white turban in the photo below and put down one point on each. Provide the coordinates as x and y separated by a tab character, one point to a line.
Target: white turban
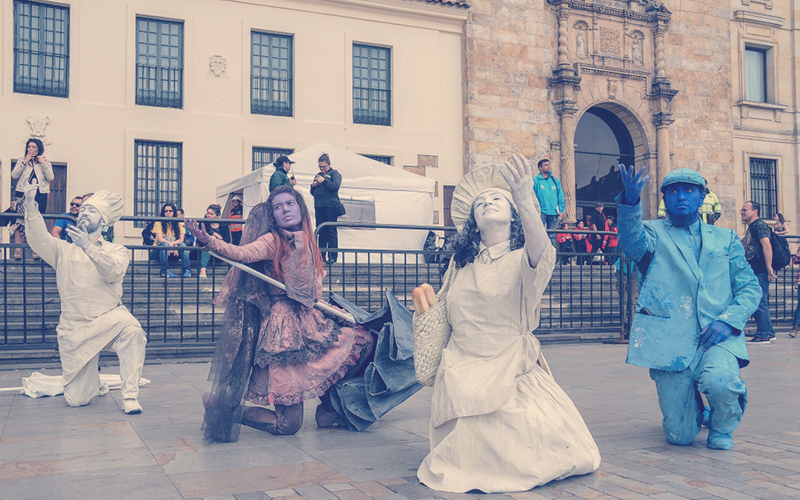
108	204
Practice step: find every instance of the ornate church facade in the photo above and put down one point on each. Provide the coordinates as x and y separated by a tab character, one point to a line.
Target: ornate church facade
590	84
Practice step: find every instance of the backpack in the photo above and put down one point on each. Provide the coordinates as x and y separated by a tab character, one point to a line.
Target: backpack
781	256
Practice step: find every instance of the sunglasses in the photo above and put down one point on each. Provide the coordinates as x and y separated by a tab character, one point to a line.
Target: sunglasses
74	204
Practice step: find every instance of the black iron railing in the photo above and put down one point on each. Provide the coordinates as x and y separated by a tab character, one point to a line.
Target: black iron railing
159	86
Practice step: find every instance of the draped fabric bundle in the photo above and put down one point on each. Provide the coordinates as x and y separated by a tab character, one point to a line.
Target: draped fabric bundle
389	379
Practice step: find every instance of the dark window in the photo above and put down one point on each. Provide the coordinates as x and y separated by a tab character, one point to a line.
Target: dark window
41	49
265	157
372	103
755	68
383	159
159	63
157	176
271	74
764	186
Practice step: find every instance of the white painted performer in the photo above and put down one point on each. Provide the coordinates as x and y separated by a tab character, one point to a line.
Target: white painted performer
89	273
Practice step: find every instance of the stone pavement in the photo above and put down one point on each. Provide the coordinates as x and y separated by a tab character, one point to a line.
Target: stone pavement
48	450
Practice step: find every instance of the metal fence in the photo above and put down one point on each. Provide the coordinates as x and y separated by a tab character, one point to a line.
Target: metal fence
591	297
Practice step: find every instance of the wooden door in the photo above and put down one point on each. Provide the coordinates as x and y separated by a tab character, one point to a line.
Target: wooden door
57	201
447	199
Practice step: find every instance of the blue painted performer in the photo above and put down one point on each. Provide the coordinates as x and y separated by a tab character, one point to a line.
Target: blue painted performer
697	292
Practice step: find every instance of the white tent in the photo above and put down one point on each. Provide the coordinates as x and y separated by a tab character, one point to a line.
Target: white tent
371	191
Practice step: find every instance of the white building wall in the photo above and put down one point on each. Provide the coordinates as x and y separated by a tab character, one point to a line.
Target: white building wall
94	129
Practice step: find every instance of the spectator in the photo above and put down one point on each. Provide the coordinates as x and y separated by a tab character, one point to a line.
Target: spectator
780	227
796	321
599	223
551	197
170	234
758	252
216	230
281	175
59	228
612	256
581	243
325	190
710	210
237	212
31	169
565	244
187	236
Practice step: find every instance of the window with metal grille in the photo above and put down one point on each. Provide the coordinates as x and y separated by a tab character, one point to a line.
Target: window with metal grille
271	74
372	102
41	49
755	67
383	159
157	176
265	157
159	63
764	186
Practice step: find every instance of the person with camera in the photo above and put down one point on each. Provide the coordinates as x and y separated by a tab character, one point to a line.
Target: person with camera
281	176
325	190
33	168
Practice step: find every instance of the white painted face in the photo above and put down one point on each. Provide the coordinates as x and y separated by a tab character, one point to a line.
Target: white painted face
287	212
491	207
90	218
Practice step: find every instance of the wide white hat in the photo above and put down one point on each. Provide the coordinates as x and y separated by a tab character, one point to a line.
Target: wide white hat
474	183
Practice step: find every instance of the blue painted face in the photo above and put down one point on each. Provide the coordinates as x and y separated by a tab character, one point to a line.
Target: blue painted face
682	201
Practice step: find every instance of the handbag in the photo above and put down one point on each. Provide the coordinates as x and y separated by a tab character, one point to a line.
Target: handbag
432	333
338	208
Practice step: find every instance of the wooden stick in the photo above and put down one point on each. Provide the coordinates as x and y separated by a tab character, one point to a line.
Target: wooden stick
11	389
322	306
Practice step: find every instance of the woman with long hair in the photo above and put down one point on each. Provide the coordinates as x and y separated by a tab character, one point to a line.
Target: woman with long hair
29	169
275	348
780	226
499	420
171	234
215	229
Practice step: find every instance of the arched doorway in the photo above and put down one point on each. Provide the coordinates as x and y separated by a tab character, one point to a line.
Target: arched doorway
602	141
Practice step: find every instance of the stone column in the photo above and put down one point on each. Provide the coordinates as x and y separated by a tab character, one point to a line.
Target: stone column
658	38
567	112
662	122
563	37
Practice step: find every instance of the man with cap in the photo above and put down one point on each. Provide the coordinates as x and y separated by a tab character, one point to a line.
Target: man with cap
280	177
696	294
89	275
599	223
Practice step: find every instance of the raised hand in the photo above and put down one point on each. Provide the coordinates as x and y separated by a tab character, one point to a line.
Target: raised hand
198	231
29	198
79	235
519	178
633	183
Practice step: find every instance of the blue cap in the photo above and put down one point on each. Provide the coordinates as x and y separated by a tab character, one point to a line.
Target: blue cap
686	175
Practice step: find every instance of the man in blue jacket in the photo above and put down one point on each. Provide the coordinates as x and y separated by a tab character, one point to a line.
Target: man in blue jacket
551	197
697	292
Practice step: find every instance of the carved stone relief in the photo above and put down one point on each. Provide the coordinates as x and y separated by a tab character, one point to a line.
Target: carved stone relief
609	41
613	86
581	50
218	66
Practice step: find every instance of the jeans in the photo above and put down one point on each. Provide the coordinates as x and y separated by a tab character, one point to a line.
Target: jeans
713	373
763	323
550	222
163	257
796	321
328	235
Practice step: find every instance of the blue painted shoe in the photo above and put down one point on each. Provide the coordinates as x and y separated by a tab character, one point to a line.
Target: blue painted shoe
168	274
718	441
706	417
187	273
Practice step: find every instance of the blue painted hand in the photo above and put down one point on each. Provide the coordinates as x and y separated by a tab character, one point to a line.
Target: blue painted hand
633	183
715	333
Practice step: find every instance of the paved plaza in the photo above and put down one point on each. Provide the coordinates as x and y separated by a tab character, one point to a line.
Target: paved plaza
51	451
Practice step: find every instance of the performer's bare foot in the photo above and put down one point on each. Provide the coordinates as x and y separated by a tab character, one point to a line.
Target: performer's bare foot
260	418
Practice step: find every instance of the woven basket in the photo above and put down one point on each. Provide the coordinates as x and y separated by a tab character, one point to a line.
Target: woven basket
431	334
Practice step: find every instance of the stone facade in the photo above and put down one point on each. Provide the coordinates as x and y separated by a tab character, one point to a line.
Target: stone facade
672	72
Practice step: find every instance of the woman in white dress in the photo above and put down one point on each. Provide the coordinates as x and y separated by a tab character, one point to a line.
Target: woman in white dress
499	421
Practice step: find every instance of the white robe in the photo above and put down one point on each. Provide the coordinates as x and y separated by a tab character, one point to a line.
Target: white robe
90	286
499	421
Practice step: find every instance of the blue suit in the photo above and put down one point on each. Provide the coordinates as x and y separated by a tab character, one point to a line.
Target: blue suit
681	294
